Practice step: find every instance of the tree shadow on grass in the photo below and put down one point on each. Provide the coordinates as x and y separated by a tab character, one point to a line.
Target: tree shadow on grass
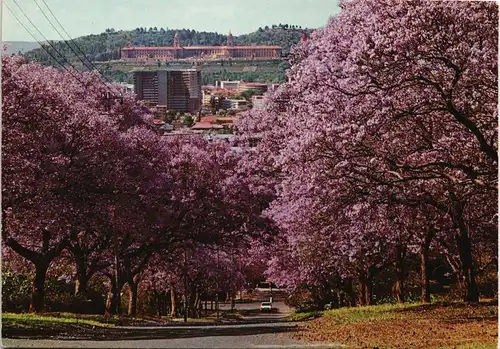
455	313
85	332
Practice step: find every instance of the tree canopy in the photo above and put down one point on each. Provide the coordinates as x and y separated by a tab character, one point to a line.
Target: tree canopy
383	144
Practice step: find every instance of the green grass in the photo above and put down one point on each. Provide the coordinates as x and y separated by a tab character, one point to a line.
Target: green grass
58	322
304	315
355	314
369	313
50	321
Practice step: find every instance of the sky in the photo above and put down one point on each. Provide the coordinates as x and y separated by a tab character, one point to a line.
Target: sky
83	17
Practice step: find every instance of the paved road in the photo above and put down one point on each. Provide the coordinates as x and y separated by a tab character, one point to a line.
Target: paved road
271	333
282	311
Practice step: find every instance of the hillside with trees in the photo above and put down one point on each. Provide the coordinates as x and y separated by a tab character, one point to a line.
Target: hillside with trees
284	35
106	46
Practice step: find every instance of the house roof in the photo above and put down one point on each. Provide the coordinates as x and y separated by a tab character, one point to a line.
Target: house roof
226	118
209	118
205	126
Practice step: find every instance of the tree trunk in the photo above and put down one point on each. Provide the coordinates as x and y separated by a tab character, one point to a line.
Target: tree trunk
465	251
160	303
186	288
424	274
196	305
335	299
118	289
41	262
362	291
81	284
173	311
38	290
233	300
425	296
400	274
468	272
132	300
192	303
341	300
366	285
349	289
369	291
111	300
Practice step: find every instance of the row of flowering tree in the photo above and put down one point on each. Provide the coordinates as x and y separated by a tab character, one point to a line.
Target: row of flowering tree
384	143
88	183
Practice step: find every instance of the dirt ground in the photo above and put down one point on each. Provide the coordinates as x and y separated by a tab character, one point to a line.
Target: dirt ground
420	326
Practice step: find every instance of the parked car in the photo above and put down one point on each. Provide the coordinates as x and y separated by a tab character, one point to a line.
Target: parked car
266	307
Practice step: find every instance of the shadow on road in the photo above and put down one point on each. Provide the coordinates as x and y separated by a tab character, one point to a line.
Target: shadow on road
118	334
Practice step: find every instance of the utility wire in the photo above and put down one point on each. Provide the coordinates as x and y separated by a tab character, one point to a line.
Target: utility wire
73	42
41	45
71	39
70	71
41	34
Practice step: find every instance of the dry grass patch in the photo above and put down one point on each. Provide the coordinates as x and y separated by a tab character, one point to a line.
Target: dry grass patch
408	326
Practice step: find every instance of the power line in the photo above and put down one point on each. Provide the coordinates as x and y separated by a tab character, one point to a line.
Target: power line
71	39
46	40
86	85
73	42
33	36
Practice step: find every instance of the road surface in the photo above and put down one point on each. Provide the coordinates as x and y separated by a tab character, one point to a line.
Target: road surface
256	331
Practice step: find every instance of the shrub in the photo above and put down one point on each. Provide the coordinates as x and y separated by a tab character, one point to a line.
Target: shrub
16	291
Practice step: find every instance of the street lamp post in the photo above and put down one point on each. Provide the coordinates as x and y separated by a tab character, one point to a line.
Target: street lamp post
117	261
271	289
185	287
217	292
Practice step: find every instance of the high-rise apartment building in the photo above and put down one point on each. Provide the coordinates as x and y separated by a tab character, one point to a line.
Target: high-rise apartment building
174	88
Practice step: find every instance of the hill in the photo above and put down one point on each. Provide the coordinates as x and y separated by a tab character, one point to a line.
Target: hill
20	46
283	35
106	46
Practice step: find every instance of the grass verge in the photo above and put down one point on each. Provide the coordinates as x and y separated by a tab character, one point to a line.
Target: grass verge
54	320
304	315
457	325
60	325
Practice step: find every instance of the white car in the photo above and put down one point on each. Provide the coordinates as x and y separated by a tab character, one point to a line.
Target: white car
266	306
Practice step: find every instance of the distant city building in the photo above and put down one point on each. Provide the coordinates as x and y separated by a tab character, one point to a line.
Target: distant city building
258	102
229	85
273	87
126	87
218	137
167	128
252	86
207	98
203	126
206	52
237	104
172	88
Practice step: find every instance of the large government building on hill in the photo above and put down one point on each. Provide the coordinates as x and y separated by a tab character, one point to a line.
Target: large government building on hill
205	52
